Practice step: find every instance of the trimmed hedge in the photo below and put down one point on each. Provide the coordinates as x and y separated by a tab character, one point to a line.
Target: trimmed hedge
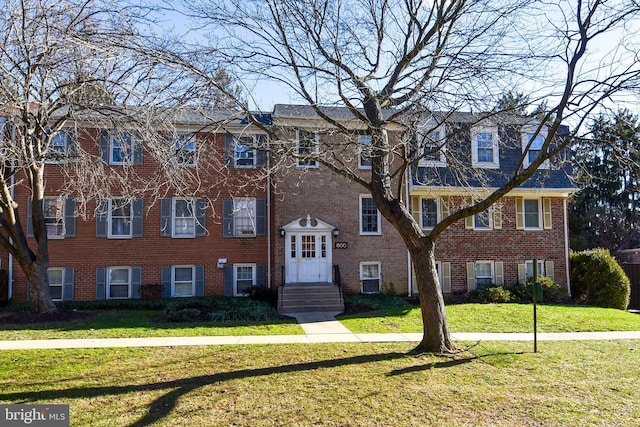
598	279
492	294
218	309
198	309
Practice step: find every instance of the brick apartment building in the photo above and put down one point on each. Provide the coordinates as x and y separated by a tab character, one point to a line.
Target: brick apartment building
186	244
308	226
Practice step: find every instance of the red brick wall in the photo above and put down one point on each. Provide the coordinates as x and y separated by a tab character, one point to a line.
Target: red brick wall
508	245
85	252
330	197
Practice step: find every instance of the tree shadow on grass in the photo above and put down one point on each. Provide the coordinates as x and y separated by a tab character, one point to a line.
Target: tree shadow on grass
454	361
164	405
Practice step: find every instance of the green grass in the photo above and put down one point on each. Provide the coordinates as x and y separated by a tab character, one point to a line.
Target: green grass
391	314
497	318
142	323
592	383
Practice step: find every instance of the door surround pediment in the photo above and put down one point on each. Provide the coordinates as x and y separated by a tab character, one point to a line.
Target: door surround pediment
308	225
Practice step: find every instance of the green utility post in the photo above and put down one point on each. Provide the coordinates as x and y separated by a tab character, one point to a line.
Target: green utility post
537	293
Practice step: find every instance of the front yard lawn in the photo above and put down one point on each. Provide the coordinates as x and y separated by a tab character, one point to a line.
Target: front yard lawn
397	317
591	383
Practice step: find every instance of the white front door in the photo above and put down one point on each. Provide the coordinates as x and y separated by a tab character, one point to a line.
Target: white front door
308	257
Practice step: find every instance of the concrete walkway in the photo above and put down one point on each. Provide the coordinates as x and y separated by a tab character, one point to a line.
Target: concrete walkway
318	328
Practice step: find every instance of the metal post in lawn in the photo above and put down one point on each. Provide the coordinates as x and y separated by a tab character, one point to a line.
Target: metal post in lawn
535	307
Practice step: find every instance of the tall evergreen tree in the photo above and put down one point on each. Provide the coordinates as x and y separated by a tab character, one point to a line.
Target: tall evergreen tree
605	212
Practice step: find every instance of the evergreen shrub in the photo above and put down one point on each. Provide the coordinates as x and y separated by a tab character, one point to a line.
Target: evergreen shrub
598	279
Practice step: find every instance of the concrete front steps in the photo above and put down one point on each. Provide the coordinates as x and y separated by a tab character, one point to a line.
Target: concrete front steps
309	297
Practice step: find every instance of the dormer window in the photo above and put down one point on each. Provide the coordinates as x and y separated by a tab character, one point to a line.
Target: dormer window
532	144
431	142
485	147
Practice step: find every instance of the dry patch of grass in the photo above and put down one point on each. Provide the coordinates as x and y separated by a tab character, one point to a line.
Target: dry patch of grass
503	384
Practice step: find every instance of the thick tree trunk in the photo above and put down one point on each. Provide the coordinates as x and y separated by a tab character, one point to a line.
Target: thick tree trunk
436	337
40	296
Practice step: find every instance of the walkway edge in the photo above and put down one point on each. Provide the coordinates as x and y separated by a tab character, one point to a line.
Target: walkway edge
301	339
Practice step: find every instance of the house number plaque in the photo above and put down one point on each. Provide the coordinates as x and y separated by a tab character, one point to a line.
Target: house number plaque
342	245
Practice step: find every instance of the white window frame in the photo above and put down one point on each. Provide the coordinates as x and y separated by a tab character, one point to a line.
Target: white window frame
236	292
493	274
489	213
528	268
315	149
60	285
110	218
250	218
364	151
438	212
113	138
129	284
185	143
55	155
475	133
173	280
361	223
526	133
425	139
59	220
378	264
174	218
540	214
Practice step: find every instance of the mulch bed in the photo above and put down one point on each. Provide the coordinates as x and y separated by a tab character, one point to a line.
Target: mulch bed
26	318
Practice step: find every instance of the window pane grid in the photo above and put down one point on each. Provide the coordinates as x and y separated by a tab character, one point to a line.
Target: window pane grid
244	278
485	147
370	277
184	219
308	246
429	213
531	214
481	220
119	283
185	149
244	153
55	283
369	215
365	151
120	218
529	269
183	281
120	149
58	146
244	217
484	274
306	147
53	216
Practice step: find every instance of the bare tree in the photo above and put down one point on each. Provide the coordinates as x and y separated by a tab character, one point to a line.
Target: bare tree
393	62
69	68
